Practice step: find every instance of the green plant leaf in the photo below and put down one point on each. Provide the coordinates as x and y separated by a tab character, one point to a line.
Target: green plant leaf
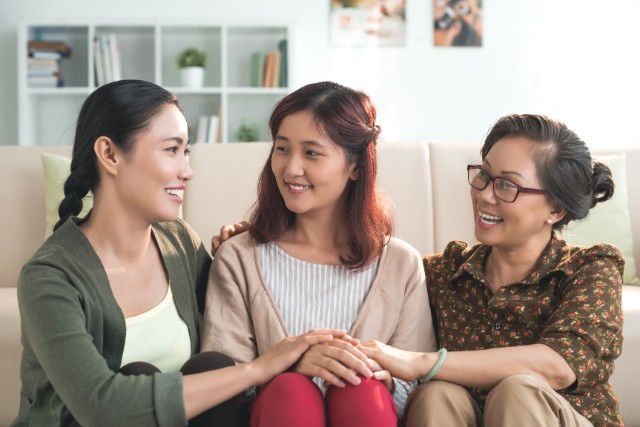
192	57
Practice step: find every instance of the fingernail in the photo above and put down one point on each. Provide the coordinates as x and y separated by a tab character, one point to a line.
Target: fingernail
356	380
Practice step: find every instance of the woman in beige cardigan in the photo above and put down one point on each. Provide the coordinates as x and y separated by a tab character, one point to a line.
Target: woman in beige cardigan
319	255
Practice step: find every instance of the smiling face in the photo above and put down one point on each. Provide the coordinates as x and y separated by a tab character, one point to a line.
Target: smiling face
310	170
154	173
518	224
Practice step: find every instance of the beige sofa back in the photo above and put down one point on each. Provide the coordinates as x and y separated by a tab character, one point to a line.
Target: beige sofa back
23	211
428	215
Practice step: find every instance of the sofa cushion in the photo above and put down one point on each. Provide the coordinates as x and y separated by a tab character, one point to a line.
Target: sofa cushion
609	222
56	170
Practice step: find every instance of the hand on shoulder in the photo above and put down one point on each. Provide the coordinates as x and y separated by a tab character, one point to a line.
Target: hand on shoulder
227	232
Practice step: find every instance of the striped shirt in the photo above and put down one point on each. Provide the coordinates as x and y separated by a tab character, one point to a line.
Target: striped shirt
312	296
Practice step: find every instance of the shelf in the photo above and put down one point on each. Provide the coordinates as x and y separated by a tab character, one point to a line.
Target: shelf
58	91
148	51
257	90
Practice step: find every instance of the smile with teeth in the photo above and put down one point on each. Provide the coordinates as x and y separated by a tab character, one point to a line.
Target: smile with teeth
489	219
175	192
297	187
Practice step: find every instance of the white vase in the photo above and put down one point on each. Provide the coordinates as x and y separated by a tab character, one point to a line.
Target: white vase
192	76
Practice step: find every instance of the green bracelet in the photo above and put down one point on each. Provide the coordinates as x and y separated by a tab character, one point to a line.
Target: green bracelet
432	373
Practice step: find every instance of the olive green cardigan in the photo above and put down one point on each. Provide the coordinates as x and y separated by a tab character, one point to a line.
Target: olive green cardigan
73	334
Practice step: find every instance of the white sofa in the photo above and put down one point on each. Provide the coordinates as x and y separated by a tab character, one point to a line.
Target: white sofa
425	180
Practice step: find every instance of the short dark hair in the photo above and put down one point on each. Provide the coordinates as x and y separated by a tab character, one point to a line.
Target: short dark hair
119	111
571	178
348	118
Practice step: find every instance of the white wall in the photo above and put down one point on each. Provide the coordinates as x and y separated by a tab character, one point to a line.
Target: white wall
576	60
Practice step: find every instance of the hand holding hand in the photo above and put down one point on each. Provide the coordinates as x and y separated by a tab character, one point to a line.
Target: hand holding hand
288	351
406	365
335	362
384	376
226	232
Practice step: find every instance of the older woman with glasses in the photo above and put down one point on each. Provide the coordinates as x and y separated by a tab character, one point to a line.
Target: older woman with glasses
528	326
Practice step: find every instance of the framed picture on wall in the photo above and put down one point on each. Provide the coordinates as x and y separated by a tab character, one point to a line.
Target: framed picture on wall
457	23
367	22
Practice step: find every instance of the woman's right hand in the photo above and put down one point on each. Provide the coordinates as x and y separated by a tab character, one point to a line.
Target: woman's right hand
335	361
288	351
402	364
226	232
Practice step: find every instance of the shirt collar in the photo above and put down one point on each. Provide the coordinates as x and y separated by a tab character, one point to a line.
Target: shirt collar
550	261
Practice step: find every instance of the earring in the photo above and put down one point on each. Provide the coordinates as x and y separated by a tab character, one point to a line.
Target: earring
549	221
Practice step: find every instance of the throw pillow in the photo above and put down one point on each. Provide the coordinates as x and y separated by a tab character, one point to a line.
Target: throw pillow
609	222
56	170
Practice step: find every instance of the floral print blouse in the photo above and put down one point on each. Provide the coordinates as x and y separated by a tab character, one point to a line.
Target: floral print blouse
570	302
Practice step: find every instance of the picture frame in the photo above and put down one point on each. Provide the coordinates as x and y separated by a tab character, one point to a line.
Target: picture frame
367	22
457	23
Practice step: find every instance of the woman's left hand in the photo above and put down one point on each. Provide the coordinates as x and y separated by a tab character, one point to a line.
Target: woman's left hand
383	376
288	351
405	365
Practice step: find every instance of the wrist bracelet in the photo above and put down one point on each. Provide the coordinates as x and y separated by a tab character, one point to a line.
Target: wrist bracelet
432	373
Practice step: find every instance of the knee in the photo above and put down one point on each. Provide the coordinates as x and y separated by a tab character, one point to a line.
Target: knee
368	403
290	384
523	399
366	386
138	368
206	361
436	392
439	403
290	399
515	391
516	388
364	394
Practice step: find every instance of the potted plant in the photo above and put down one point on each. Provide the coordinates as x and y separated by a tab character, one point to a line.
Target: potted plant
192	62
248	132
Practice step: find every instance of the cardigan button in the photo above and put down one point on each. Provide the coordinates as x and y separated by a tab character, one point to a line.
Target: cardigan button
498	326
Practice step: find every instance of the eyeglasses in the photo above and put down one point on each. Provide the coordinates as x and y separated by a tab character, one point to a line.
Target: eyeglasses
504	189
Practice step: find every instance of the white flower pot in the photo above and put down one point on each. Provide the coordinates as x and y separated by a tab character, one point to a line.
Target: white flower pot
192	76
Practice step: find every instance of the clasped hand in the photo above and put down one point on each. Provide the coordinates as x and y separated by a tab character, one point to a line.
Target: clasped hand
402	364
338	362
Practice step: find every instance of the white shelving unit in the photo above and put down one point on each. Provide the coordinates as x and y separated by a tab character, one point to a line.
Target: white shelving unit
149	50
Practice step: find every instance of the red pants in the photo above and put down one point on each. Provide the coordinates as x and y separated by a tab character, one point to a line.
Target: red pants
293	400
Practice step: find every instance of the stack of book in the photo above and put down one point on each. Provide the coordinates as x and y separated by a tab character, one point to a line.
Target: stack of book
107	58
43	64
270	69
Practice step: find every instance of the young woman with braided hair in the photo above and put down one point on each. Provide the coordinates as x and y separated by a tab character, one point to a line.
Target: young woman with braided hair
110	303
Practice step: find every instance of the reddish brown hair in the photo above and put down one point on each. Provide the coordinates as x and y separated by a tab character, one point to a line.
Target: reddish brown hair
348	118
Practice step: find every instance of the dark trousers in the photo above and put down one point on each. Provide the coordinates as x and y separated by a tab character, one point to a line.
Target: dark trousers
229	413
